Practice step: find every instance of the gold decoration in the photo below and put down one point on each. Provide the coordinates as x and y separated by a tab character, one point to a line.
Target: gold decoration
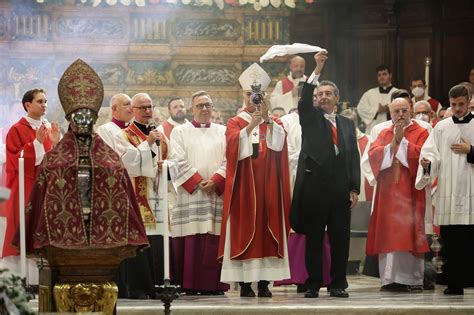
80	87
86	297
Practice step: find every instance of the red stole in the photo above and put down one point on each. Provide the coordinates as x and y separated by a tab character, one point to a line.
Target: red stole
54	214
167	128
287	85
135	136
257	196
397	221
20	137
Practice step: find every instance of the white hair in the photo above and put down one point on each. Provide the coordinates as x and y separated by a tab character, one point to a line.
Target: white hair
419	103
139	96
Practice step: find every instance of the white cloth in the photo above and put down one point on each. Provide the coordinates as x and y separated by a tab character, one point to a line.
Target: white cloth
369	105
401	267
287	101
194	150
454	197
291	123
172	122
251	270
283	50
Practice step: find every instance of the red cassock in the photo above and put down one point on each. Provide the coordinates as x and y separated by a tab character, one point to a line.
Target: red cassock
54	214
369	190
257	197
397	221
20	137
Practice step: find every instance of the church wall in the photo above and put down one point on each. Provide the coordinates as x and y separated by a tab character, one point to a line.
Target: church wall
362	34
162	50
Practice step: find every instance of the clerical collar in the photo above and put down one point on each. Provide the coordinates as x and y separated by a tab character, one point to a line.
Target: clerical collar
199	125
463	120
143	128
121	124
385	90
35	123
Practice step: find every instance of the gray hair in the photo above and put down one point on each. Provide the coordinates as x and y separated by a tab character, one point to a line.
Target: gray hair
417	104
329	83
139	96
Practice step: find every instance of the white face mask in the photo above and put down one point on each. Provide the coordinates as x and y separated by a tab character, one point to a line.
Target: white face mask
418	91
423	117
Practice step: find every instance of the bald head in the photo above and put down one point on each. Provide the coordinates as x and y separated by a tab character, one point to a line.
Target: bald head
297	65
120	105
400	111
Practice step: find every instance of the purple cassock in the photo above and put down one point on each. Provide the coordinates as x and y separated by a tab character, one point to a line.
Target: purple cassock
296	255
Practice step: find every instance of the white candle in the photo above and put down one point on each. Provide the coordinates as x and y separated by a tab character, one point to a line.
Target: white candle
164	207
21	175
427	74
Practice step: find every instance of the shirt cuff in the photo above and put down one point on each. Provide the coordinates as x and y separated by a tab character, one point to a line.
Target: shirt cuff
402	153
192	183
387	158
313	79
220	183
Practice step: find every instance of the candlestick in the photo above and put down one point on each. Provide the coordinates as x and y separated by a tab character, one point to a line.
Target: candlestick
21	175
164	207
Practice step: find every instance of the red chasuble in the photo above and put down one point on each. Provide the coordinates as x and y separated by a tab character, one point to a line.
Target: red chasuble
20	137
54	214
369	190
397	221
256	198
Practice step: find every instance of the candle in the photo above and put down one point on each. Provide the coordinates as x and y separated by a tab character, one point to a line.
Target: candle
21	175
164	202
427	62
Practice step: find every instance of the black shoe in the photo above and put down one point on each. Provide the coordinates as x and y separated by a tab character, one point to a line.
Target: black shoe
246	290
301	288
337	292
428	286
263	290
190	292
454	291
395	287
416	288
211	292
311	294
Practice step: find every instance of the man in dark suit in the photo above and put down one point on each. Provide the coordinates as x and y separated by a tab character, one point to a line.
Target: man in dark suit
327	182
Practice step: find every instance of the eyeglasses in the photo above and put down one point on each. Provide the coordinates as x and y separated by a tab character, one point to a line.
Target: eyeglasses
201	106
144	108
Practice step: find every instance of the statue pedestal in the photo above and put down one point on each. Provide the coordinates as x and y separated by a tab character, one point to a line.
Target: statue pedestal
80	280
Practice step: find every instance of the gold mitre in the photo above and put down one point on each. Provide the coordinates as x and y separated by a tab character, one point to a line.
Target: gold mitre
80	87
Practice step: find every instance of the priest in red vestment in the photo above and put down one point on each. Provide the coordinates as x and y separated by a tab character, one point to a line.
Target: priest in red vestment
396	228
29	138
69	211
255	219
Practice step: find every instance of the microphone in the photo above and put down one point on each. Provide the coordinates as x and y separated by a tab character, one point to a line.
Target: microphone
152	126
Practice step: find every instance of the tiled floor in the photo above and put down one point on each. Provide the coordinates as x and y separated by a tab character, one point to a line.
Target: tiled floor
365	298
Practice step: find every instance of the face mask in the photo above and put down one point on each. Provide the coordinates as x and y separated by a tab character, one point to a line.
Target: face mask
418	91
423	117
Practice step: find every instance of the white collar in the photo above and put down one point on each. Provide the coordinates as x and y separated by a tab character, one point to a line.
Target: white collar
35	123
175	123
